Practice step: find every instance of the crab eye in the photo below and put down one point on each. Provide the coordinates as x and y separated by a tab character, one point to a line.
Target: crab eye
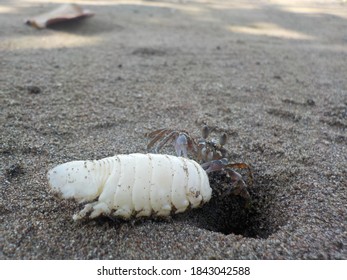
210	156
205	131
203	152
223	139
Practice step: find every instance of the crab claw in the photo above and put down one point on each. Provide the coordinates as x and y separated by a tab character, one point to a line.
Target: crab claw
181	145
214	165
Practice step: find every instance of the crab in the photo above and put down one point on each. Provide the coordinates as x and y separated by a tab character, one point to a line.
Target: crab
211	154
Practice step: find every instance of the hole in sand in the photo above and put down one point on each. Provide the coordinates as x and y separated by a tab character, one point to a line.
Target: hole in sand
227	214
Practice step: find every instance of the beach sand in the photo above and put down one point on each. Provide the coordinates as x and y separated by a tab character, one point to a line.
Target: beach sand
271	74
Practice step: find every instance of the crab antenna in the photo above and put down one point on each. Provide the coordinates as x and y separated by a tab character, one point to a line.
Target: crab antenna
223	139
205	131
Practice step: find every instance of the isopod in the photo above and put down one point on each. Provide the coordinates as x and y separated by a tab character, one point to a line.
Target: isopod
132	185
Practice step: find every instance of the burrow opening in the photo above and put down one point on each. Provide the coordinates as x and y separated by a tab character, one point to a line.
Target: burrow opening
228	214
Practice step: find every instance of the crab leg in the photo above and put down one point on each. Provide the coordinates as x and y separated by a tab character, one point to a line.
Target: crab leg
241	165
160	137
220	164
156	135
162	142
155	132
214	165
238	185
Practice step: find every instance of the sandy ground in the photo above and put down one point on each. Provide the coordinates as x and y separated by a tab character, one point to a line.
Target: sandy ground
272	74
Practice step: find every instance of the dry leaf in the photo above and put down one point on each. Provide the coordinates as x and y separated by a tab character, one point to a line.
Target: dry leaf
63	13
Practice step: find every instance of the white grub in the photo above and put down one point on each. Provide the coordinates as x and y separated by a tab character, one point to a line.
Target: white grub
62	13
132	185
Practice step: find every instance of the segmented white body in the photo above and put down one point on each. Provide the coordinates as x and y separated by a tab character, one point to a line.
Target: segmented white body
133	185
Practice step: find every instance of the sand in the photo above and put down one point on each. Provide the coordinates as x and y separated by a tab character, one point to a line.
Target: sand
272	74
